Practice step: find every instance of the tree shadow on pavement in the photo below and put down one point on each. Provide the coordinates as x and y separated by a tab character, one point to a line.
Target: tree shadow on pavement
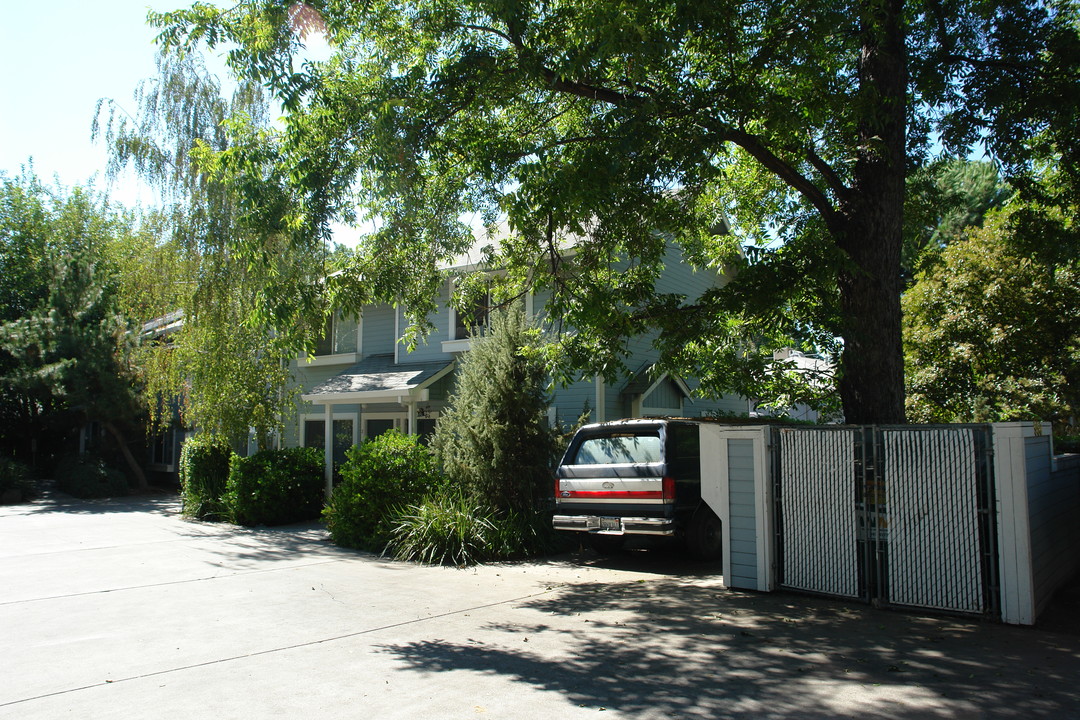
670	648
51	500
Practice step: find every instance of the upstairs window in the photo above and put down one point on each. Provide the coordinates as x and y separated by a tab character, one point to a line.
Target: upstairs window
340	336
468	322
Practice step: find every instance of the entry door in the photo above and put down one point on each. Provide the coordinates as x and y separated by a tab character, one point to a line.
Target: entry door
315	436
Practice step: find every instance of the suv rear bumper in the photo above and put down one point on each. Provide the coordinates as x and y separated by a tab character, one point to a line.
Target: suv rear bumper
615	525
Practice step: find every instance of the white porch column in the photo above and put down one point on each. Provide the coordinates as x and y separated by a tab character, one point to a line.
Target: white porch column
328	449
411	428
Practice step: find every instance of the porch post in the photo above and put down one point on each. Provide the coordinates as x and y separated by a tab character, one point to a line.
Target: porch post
411	429
328	449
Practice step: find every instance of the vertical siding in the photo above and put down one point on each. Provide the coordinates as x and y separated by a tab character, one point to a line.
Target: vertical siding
743	528
665	396
1054	515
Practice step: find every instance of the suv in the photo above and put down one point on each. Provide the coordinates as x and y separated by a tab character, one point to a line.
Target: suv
636	477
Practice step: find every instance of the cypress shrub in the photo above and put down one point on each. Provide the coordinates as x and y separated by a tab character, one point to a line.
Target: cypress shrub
204	473
494	440
275	487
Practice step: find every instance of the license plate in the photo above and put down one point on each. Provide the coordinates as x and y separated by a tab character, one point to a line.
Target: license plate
610	523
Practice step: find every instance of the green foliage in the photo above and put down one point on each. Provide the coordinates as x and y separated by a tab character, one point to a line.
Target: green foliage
65	359
945	199
379	478
229	360
616	127
992	331
86	476
204	475
275	487
494	441
450	528
16	481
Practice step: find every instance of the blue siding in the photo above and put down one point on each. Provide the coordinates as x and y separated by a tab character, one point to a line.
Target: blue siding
743	517
1053	505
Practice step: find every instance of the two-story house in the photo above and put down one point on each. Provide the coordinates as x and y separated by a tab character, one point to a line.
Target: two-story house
363	381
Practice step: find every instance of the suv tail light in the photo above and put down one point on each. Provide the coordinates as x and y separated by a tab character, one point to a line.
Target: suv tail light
668	487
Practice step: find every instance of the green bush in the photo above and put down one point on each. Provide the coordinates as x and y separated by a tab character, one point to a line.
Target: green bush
16	482
378	479
275	487
87	476
204	474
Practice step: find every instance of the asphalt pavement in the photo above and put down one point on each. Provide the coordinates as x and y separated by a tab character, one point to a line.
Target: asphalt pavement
122	609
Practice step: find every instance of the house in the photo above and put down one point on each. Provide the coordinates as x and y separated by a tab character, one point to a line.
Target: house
362	379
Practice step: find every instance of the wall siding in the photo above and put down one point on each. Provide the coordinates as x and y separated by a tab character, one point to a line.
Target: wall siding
1053	510
743	519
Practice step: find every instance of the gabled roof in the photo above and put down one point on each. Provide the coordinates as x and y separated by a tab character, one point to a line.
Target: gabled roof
646	379
378	377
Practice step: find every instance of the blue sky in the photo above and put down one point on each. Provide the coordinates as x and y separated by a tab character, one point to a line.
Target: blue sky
59	58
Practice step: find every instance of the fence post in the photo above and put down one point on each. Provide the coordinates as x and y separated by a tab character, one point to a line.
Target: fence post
1013	521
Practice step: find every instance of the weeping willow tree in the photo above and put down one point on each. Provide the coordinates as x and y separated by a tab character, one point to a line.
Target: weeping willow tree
227	365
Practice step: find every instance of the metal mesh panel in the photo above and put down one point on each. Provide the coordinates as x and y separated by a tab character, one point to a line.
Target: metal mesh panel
817	485
932	509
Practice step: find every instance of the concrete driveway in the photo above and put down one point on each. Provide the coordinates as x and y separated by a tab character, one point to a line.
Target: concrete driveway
121	609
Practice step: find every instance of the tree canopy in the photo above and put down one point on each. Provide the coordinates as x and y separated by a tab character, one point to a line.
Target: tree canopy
992	328
228	362
623	127
65	340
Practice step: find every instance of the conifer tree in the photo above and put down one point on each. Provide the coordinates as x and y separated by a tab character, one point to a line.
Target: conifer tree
494	441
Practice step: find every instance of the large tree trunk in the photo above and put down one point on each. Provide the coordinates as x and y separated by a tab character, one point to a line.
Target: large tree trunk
872	384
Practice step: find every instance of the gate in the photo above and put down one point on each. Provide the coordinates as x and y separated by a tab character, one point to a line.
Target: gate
890	515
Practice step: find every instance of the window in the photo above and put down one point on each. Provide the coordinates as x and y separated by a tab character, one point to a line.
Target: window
340	337
162	448
314	432
467	322
619	449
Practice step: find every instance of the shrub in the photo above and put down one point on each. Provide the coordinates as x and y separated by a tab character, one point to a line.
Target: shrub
446	528
378	479
87	476
204	474
16	482
494	440
275	487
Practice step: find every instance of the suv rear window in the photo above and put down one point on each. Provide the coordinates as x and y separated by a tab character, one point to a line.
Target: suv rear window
619	449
